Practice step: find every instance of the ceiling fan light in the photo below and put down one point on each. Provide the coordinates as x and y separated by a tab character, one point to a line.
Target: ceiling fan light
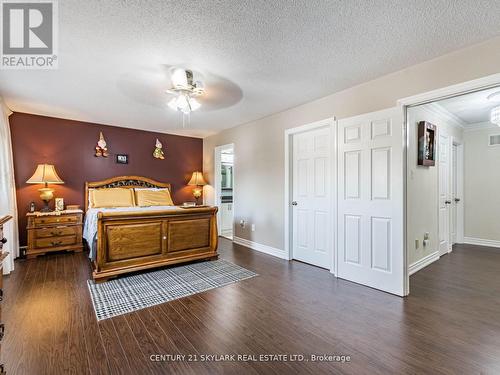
495	116
194	104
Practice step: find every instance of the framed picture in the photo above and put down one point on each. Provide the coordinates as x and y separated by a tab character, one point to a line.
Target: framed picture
426	144
59	204
122	159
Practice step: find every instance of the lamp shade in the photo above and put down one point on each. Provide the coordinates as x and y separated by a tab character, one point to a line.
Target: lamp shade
197	179
45	174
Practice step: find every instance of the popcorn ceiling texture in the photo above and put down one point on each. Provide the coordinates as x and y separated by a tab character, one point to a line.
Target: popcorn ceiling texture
257	57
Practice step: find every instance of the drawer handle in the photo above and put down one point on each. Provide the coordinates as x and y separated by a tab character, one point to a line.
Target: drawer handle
4	240
2	369
1	295
56	243
55	233
2	331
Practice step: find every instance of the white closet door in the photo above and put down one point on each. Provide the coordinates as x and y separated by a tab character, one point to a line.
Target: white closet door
311	179
370	200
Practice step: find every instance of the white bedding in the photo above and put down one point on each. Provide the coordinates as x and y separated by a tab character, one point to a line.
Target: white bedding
90	225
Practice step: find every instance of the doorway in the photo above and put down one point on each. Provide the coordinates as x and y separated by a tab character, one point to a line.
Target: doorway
224	187
452	201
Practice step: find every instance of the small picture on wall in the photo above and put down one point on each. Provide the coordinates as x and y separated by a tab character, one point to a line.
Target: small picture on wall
59	204
426	143
122	159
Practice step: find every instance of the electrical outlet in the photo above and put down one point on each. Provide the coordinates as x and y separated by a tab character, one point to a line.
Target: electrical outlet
253	227
242	223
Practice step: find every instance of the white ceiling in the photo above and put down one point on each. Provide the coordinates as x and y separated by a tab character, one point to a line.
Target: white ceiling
472	108
258	57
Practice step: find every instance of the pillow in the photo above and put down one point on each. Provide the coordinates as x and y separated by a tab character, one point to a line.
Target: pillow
153	197
114	197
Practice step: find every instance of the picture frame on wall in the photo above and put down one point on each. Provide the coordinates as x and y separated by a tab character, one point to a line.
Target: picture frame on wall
426	144
122	159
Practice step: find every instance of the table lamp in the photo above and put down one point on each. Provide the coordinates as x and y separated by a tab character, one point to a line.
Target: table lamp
198	181
45	174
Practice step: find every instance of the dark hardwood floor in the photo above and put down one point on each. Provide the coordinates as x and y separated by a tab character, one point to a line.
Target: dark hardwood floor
448	325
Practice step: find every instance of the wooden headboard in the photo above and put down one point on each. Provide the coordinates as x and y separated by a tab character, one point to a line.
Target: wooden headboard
128	182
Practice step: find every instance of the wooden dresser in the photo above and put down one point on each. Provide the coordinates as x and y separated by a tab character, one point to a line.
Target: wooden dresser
3	255
54	231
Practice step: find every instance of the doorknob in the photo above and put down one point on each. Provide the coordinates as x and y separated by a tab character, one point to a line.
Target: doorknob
457	200
447	202
294	203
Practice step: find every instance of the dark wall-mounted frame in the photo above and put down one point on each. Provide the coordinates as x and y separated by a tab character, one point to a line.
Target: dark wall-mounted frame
122	159
426	144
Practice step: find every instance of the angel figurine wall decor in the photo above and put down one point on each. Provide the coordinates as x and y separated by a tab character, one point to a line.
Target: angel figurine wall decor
101	149
158	152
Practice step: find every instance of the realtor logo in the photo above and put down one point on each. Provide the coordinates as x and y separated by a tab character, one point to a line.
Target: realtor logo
29	34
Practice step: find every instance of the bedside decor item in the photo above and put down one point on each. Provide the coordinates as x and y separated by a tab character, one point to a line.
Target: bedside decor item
158	152
32	207
426	144
101	148
54	231
122	159
198	181
188	204
72	207
59	204
45	174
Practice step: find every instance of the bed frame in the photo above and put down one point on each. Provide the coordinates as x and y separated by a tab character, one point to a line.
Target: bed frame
134	241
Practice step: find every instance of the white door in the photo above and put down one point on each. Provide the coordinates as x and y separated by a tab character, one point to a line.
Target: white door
444	170
311	197
454	187
370	200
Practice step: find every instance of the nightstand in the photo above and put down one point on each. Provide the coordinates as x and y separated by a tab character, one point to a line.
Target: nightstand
54	231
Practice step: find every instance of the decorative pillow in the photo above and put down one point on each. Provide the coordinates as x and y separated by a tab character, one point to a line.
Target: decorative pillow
153	197
114	197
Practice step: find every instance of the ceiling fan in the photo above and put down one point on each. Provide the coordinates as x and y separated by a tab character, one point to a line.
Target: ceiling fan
185	91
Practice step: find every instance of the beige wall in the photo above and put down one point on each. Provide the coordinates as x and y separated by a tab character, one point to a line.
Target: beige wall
259	145
423	188
481	185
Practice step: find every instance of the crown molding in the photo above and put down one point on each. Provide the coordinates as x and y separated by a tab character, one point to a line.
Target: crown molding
481	126
439	110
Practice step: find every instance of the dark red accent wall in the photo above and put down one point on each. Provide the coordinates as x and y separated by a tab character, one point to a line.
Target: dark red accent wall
70	146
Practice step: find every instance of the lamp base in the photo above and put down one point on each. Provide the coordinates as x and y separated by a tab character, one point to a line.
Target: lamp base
197	194
46	207
46	194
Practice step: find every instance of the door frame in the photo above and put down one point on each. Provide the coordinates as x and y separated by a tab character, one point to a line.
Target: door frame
450	170
289	133
218	180
424	98
460	219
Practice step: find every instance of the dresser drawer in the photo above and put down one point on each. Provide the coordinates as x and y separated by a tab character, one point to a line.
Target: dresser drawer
56	232
42	243
55	220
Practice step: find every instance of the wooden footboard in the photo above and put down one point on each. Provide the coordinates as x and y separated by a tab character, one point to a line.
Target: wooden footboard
133	241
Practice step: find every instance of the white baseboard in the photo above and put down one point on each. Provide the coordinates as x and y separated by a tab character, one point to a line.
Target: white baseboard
481	242
424	262
260	247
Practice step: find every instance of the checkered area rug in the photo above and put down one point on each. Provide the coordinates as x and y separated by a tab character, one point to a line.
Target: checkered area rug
127	294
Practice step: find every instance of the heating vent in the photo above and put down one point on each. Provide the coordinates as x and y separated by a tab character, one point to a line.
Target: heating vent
495	140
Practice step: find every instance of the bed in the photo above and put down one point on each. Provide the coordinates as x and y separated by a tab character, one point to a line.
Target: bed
129	239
